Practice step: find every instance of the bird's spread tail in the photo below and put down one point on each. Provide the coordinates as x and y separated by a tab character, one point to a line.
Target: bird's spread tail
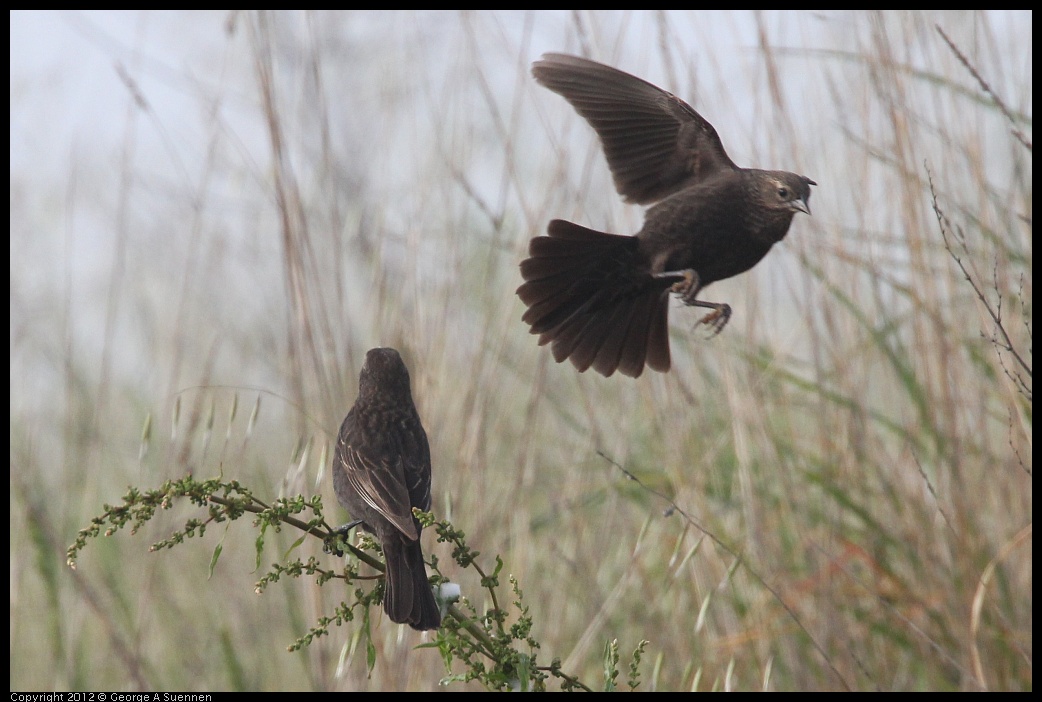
588	298
408	598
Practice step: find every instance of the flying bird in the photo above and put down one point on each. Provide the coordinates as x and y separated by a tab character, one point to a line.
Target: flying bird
601	300
381	470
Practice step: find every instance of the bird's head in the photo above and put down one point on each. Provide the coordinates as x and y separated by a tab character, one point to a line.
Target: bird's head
782	190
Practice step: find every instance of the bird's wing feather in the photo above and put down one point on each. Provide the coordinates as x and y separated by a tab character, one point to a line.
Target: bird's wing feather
655	143
381	484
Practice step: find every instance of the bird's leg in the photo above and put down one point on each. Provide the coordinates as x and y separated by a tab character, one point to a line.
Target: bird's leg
343	530
687	287
685	283
340	531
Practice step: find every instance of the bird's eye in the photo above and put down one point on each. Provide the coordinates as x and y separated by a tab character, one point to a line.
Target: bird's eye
783	193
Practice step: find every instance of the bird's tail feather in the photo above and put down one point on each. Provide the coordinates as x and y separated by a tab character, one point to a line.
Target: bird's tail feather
408	598
587	296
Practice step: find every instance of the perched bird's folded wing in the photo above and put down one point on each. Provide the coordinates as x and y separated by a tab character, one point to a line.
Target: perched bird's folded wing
379	483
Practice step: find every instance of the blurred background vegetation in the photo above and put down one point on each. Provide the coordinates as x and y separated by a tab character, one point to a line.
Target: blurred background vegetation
260	198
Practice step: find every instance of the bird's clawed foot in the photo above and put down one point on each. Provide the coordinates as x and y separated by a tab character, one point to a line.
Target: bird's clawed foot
718	318
340	532
687	287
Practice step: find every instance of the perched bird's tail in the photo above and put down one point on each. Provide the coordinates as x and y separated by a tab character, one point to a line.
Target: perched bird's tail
589	298
408	598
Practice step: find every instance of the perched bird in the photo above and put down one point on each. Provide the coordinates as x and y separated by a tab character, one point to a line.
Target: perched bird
381	470
600	299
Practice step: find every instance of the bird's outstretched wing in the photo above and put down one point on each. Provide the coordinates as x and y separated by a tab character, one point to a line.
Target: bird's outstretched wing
655	143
